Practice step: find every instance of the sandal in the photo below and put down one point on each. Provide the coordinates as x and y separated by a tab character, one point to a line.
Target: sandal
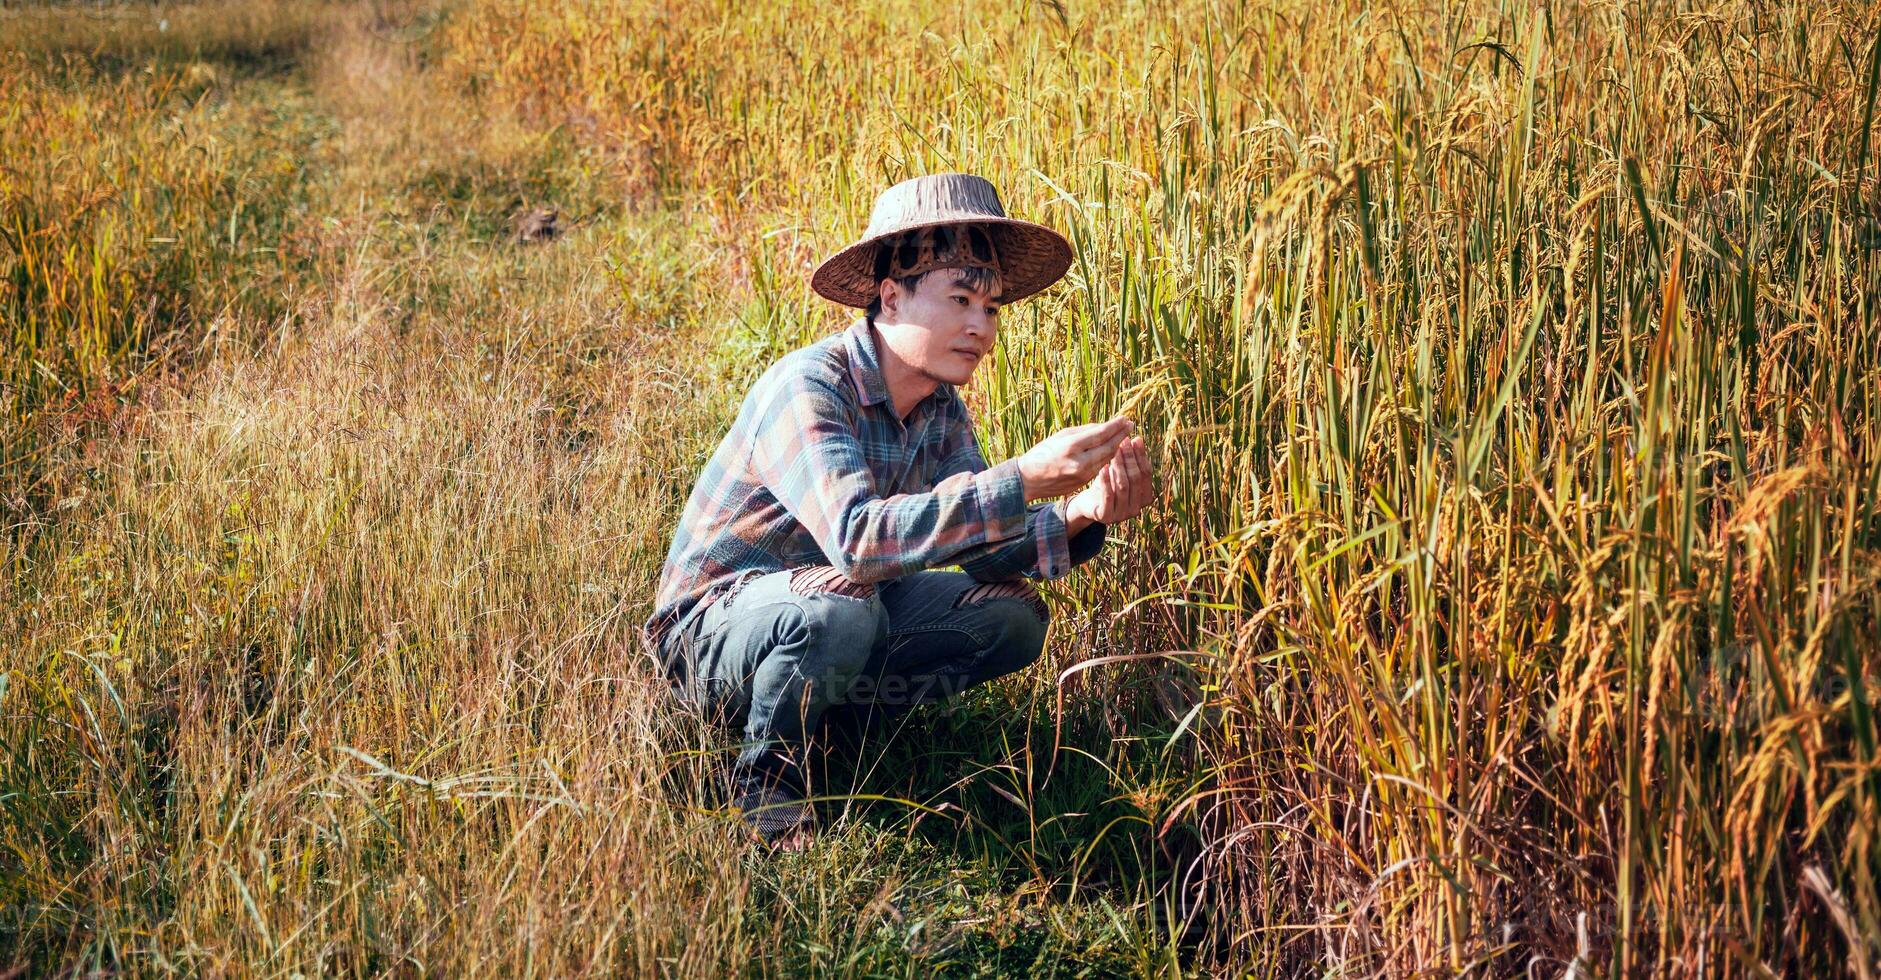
770	797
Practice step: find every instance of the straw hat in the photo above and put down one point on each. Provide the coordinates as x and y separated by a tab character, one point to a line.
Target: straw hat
1030	257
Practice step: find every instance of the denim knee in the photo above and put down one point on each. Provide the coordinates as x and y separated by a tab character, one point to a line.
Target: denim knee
1020	622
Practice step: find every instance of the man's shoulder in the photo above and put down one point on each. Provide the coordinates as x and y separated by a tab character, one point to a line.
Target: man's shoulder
826	361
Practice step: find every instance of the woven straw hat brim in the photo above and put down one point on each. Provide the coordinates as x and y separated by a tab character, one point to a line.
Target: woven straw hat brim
1031	257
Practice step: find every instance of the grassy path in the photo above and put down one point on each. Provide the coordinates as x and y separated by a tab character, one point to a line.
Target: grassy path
332	665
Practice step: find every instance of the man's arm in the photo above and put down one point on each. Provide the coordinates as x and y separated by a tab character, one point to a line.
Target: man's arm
1054	541
808	454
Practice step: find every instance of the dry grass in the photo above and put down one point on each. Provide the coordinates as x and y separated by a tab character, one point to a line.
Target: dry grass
1514	382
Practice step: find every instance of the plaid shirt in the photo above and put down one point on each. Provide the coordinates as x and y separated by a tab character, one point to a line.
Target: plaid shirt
818	470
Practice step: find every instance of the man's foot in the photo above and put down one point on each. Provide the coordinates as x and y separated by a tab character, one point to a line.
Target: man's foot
778	817
769	794
792	842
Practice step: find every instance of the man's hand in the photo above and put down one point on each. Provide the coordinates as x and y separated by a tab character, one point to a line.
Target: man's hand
1120	492
1070	458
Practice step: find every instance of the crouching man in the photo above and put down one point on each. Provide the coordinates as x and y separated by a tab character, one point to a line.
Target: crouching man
799	578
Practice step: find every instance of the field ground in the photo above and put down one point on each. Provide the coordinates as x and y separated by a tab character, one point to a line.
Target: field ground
1518	427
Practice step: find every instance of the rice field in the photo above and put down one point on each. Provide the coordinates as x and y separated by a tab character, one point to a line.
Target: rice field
1509	606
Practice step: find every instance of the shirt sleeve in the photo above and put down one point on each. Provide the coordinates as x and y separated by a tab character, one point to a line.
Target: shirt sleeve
1044	551
809	455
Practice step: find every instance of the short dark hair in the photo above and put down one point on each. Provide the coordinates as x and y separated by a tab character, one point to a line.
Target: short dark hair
968	276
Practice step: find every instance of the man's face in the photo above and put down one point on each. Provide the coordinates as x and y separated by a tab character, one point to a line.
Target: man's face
945	326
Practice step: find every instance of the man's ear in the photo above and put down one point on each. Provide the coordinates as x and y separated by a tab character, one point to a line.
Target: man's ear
890	293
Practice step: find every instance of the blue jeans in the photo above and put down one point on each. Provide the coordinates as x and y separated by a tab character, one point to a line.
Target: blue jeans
778	650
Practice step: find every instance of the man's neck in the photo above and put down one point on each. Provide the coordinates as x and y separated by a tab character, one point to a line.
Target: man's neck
906	386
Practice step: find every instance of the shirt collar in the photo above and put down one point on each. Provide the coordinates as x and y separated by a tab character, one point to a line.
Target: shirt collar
865	368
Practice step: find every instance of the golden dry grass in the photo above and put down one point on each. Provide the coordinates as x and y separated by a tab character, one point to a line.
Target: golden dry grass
1513	376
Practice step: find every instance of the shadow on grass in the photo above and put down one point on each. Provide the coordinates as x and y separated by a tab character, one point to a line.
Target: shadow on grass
1067	809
